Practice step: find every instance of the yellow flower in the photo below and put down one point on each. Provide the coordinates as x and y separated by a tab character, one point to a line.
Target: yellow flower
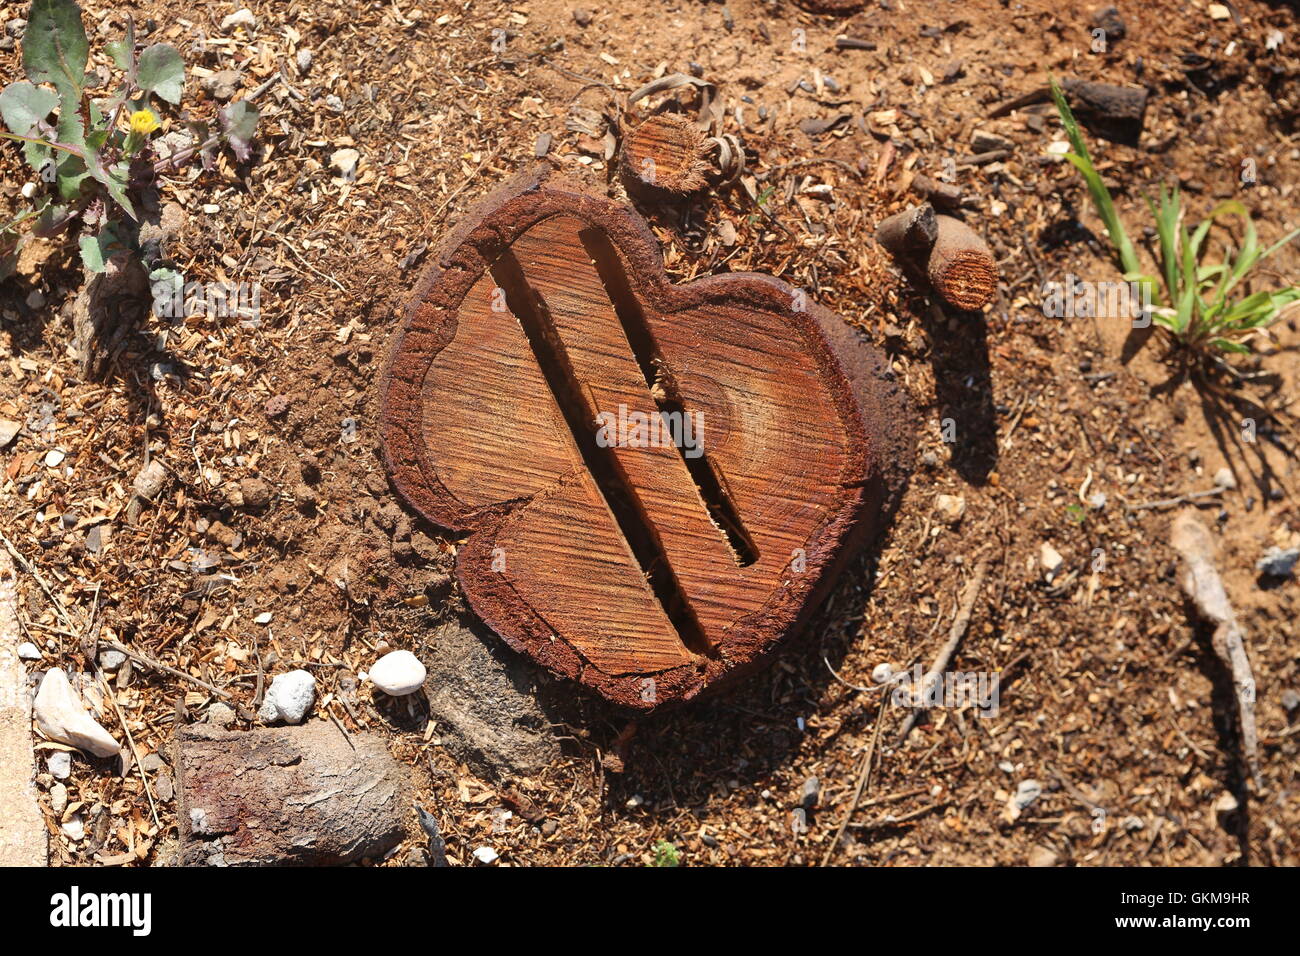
144	122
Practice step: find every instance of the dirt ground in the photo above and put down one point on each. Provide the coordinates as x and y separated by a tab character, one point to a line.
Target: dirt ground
1110	696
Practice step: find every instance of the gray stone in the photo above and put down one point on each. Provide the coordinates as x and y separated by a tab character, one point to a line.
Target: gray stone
59	764
222	715
1278	563
221	86
483	697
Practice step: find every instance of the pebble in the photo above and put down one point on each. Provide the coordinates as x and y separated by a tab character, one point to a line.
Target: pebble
345	161
1041	856
288	698
240	18
59	764
1224	478
1027	792
881	673
398	673
111	660
1290	701
950	507
485	855
221	86
58	798
304	60
75	828
27	651
221	714
61	716
1278	563
1050	559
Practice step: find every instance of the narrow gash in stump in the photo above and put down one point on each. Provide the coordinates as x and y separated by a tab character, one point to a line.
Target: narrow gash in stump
659	482
955	260
665	152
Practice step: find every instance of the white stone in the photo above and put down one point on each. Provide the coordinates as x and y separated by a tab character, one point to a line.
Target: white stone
398	673
75	828
58	798
485	855
240	18
881	673
28	651
1050	559
60	764
345	161
61	716
289	698
950	507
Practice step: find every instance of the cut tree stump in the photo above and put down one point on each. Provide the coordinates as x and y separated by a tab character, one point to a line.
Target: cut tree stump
539	397
304	796
666	152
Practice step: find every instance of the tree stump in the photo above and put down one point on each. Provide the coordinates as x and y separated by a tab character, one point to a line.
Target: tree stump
659	482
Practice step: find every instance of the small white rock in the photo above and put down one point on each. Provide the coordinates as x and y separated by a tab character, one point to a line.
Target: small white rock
111	660
58	798
221	714
881	673
1224	478
950	507
75	829
289	698
61	716
1050	559
398	673
29	190
240	18
345	161
28	651
59	764
55	457
304	60
263	618
1027	792
485	855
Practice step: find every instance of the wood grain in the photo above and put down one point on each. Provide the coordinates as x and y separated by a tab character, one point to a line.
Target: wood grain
646	571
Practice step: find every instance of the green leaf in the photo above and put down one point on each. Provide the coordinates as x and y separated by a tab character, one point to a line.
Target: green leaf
23	106
92	254
239	123
1101	198
69	175
97	250
55	50
162	72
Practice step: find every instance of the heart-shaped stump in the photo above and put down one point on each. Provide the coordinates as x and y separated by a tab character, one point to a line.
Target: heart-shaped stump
659	481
